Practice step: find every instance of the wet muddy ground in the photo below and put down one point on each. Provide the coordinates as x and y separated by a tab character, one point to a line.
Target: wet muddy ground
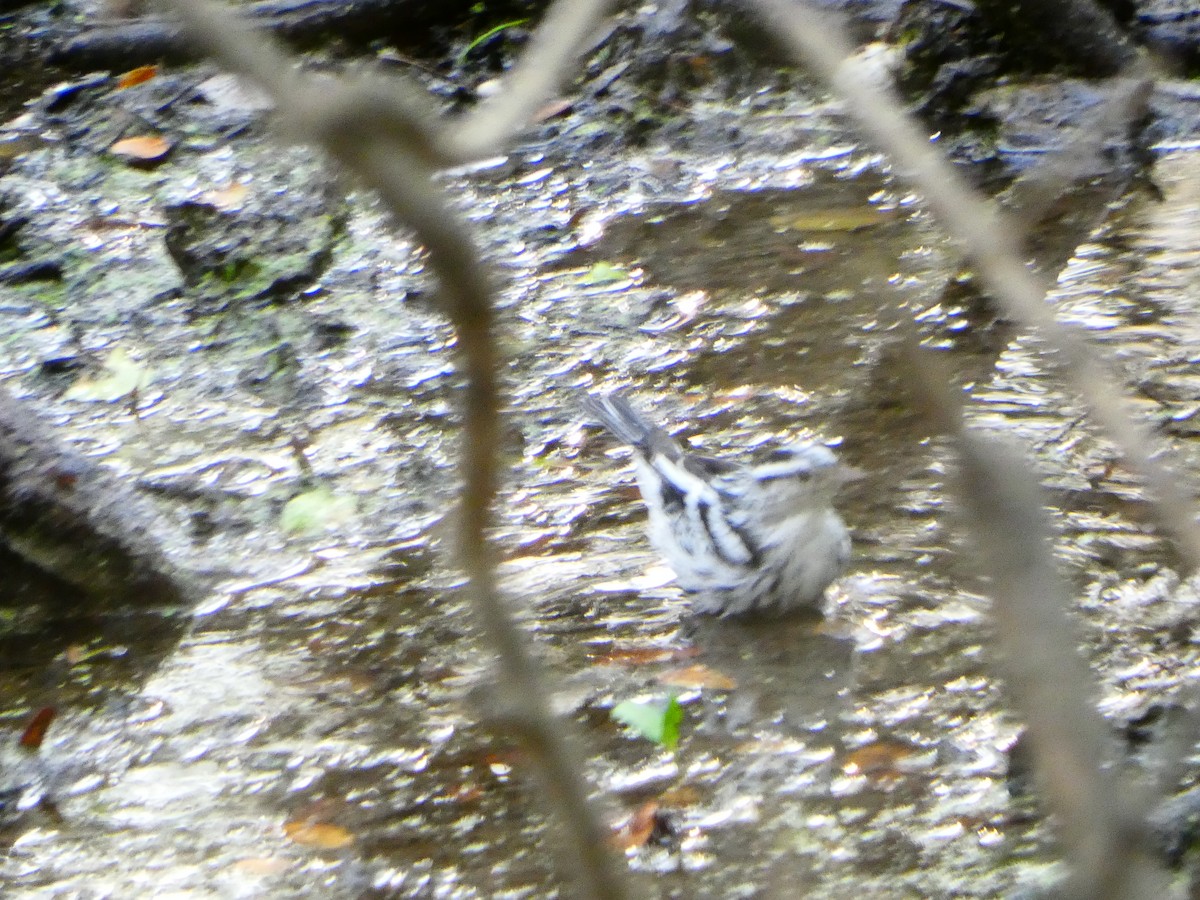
310	727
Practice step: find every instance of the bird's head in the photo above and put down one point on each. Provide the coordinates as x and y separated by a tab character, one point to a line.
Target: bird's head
798	473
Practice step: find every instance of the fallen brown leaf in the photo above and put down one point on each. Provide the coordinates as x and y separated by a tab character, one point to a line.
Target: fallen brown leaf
698	676
550	109
136	76
879	758
640	656
322	835
35	731
227	199
263	865
142	148
465	792
638	828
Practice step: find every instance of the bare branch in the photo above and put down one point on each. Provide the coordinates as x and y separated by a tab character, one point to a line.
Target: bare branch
1103	820
990	242
384	131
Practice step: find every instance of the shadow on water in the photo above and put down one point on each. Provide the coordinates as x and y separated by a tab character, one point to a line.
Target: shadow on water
789	672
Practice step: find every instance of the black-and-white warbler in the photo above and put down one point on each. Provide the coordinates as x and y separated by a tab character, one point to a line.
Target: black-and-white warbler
742	538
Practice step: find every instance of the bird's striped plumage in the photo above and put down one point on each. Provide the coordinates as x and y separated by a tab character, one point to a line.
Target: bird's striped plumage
741	539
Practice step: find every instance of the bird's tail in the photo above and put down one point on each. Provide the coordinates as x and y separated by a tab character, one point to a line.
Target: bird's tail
618	416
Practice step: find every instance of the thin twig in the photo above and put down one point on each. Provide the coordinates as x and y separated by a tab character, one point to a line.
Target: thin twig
384	131
1103	819
817	40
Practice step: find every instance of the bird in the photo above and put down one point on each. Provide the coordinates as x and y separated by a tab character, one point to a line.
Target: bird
761	537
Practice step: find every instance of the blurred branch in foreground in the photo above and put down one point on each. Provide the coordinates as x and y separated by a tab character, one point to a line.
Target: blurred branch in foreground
991	243
1102	819
386	132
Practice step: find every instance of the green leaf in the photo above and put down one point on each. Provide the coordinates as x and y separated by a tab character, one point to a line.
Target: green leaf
604	273
316	510
658	720
487	35
120	378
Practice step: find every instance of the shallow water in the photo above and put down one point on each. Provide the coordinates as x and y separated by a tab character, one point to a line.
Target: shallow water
314	730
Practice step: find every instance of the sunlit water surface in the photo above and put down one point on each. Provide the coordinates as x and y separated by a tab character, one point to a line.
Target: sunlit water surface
313	732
